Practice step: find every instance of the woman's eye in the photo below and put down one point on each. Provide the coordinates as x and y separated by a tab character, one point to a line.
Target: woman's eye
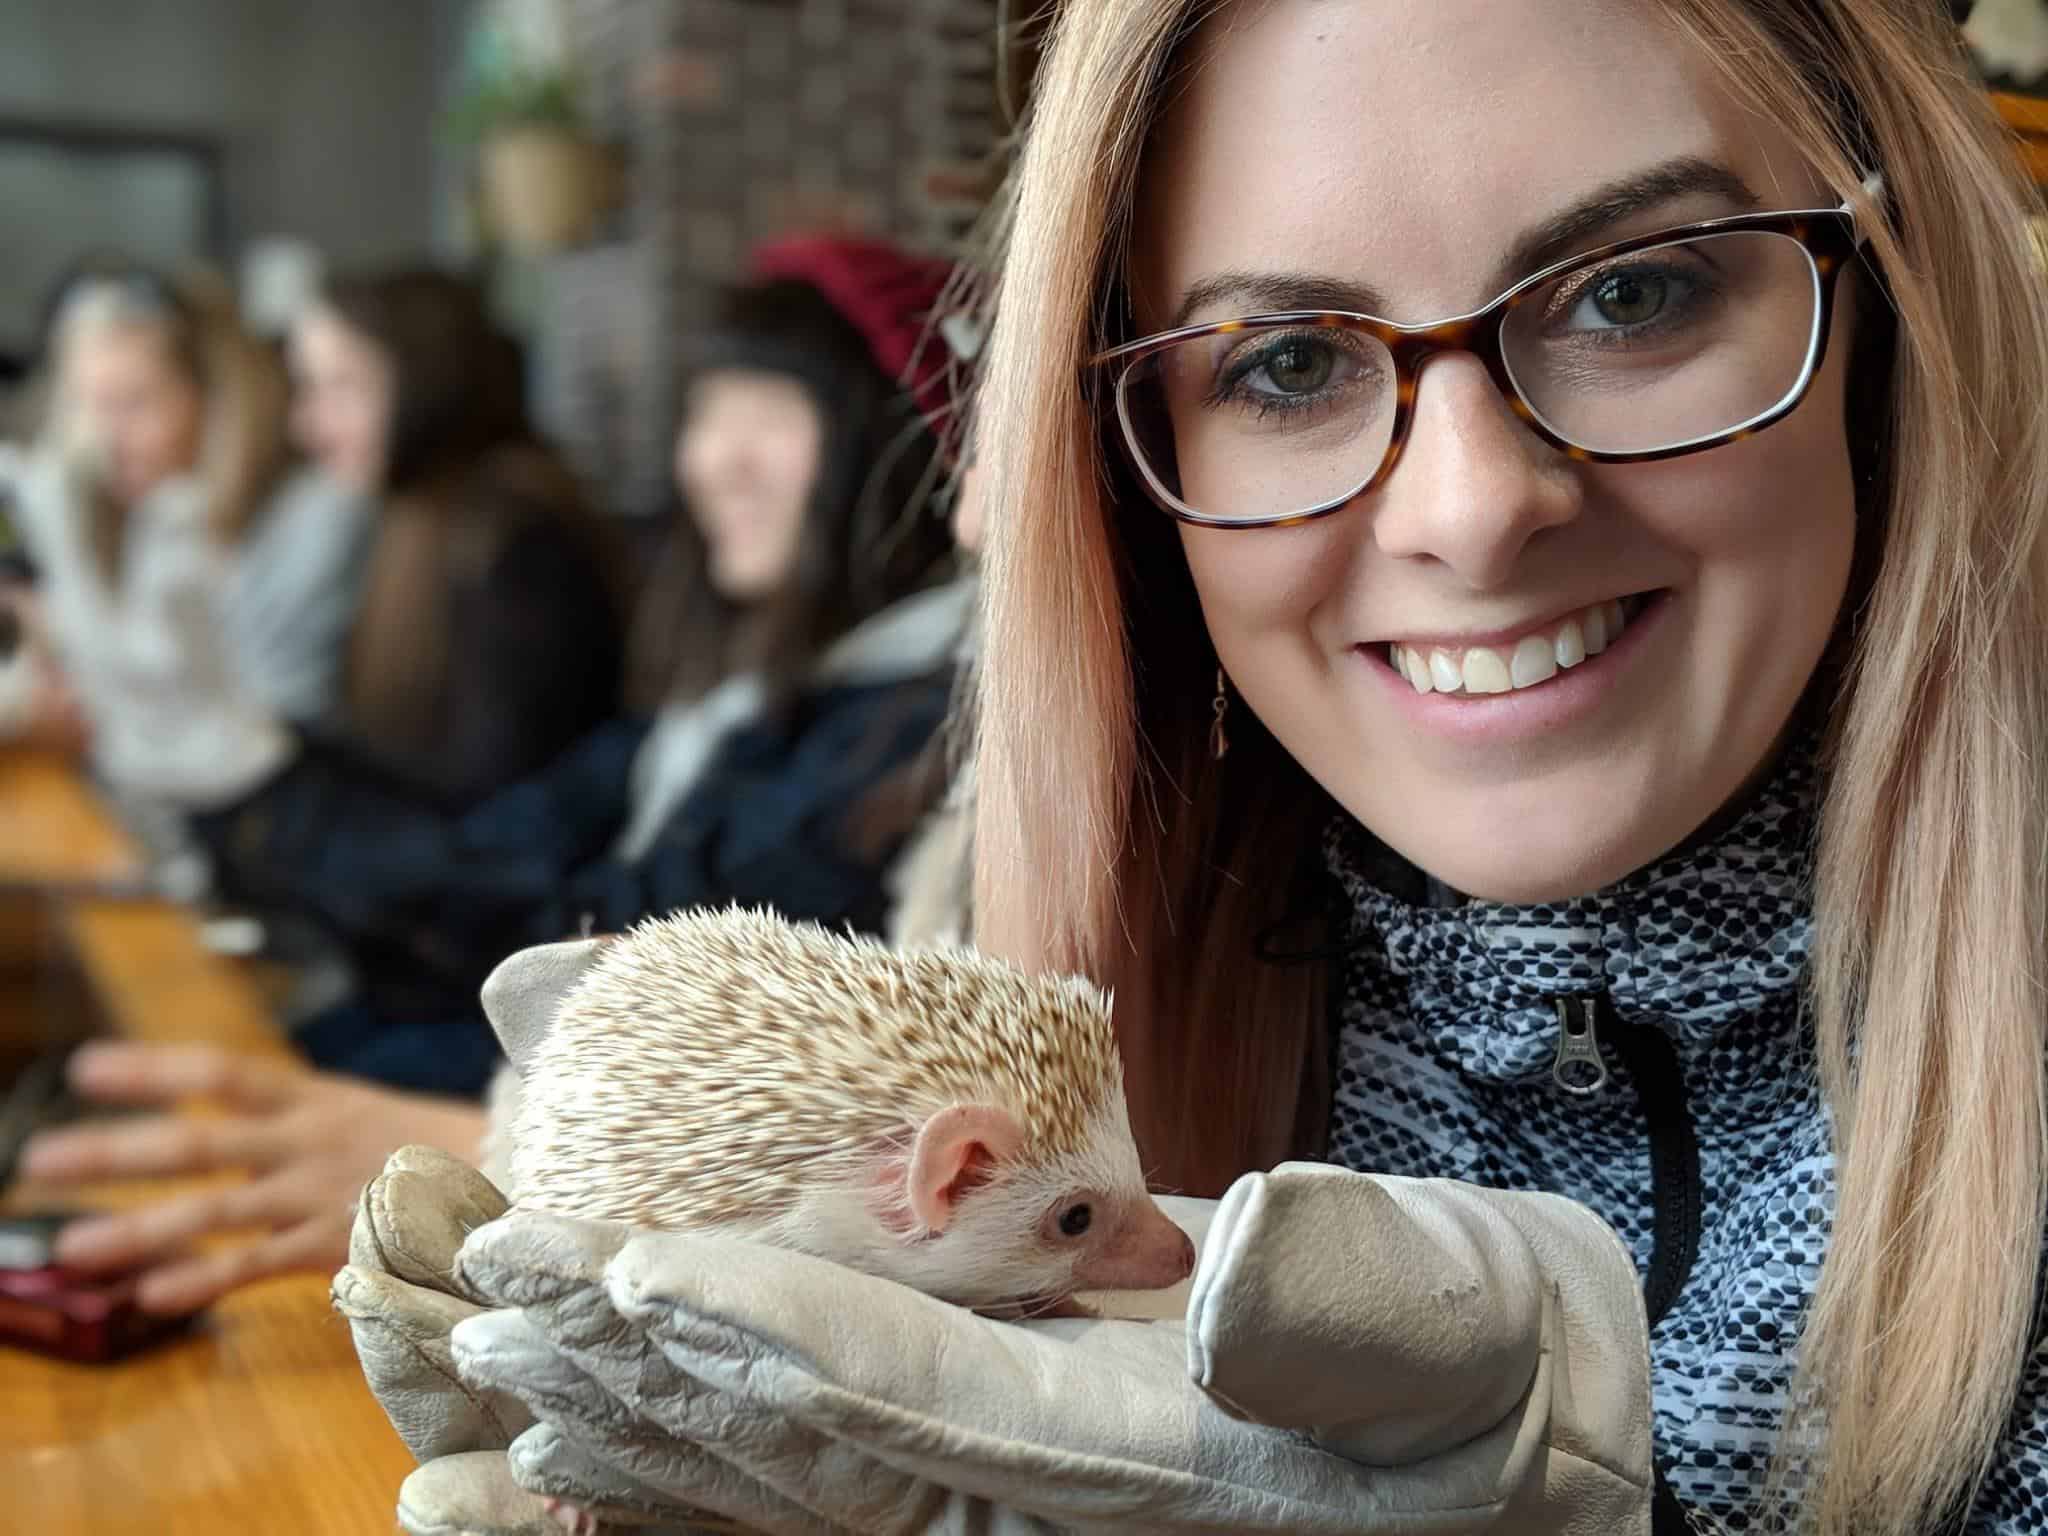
1296	368
1075	1220
1630	298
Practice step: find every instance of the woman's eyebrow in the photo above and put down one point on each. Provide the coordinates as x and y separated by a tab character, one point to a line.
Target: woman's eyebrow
1687	176
1268	292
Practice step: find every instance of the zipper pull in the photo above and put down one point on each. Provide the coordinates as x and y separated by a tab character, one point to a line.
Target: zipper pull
1579	1069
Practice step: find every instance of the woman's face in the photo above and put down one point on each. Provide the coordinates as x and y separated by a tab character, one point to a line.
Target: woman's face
343	394
1409	147
141	409
746	460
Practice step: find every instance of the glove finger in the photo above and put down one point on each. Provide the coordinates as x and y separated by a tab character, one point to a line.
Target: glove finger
888	1398
470	1495
1432	1338
548	1461
529	1258
414	1216
754	1320
674	1438
401	1336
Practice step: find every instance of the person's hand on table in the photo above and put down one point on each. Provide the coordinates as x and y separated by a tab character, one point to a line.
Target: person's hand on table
307	1142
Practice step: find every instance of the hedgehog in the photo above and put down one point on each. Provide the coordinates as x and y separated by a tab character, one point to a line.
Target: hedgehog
937	1118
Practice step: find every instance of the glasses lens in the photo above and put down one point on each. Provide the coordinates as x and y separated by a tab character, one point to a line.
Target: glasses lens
1261	422
1665	347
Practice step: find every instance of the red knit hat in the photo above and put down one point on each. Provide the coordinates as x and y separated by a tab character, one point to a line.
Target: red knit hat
890	296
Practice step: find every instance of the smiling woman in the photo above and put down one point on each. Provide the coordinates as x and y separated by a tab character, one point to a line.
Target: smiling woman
1535	434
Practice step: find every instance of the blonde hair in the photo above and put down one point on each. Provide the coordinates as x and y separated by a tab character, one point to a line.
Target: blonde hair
1109	845
244	399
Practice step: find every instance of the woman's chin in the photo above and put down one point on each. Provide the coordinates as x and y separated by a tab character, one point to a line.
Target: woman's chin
1527	871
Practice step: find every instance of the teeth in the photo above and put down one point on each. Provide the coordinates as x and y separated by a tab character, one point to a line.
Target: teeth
1571	644
1485	672
1534	658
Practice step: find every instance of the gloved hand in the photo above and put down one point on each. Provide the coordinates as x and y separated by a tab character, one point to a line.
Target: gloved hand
1358	1355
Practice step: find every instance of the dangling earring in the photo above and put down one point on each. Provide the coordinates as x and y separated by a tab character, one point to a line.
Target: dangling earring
1219	743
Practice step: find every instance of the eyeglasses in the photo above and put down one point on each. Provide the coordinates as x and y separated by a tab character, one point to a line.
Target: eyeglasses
1665	344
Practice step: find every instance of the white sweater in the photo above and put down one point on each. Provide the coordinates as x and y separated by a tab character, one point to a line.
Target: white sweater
258	628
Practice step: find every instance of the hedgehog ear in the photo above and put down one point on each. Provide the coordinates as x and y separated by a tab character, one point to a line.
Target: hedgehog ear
956	1152
523	994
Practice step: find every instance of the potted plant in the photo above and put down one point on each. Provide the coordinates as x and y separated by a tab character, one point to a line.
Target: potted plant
545	181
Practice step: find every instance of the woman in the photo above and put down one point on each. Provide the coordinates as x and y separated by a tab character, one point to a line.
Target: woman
1591	748
170	530
1830	635
488	638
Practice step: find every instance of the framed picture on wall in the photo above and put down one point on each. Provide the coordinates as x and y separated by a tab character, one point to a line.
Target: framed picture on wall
73	192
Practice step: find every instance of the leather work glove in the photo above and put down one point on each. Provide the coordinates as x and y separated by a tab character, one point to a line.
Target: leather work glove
1358	1354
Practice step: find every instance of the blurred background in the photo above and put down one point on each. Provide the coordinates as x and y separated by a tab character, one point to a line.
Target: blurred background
600	164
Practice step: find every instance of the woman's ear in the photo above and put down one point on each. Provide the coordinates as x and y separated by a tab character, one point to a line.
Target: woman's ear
956	1152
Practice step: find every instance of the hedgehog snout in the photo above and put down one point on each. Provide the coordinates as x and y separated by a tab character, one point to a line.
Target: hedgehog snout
1145	1251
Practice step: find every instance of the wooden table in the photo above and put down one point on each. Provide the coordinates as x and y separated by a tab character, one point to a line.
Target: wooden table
257	1423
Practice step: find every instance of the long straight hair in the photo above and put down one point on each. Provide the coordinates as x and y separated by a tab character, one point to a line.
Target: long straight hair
464	472
1109	844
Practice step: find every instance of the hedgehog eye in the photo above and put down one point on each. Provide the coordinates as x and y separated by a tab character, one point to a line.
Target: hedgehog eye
1075	1219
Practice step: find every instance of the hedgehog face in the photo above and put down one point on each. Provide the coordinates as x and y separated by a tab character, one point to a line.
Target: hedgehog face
1036	1238
1015	1228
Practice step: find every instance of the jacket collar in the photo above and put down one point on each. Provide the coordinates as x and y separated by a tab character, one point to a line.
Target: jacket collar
917	634
1707	938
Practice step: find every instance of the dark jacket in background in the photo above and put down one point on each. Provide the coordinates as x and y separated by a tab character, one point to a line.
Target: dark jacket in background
428	902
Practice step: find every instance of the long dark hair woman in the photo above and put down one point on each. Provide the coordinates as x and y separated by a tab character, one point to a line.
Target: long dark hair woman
488	638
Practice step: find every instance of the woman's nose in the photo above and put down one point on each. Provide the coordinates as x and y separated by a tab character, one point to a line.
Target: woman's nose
1473	485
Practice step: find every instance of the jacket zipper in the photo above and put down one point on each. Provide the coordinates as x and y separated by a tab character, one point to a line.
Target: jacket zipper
1580	1069
1651	1061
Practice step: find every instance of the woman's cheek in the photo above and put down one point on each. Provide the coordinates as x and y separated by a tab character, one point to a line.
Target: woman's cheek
1266	582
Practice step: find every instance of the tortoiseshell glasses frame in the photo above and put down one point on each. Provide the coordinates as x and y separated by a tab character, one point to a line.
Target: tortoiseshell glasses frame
1829	237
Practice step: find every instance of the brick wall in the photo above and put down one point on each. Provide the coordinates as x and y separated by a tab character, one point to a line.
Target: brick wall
743	120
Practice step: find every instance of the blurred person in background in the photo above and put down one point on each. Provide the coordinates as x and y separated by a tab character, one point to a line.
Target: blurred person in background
798	786
169	529
488	638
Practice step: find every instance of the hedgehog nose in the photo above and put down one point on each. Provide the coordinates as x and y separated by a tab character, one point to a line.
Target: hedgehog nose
1187	1255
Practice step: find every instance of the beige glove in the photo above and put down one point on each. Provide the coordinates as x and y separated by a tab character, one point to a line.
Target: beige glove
1422	1356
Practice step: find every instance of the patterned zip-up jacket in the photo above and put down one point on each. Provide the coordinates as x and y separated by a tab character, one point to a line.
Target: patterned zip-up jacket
1672	1004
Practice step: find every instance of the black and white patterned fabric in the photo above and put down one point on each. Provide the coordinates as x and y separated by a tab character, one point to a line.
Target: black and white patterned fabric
1448	1034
